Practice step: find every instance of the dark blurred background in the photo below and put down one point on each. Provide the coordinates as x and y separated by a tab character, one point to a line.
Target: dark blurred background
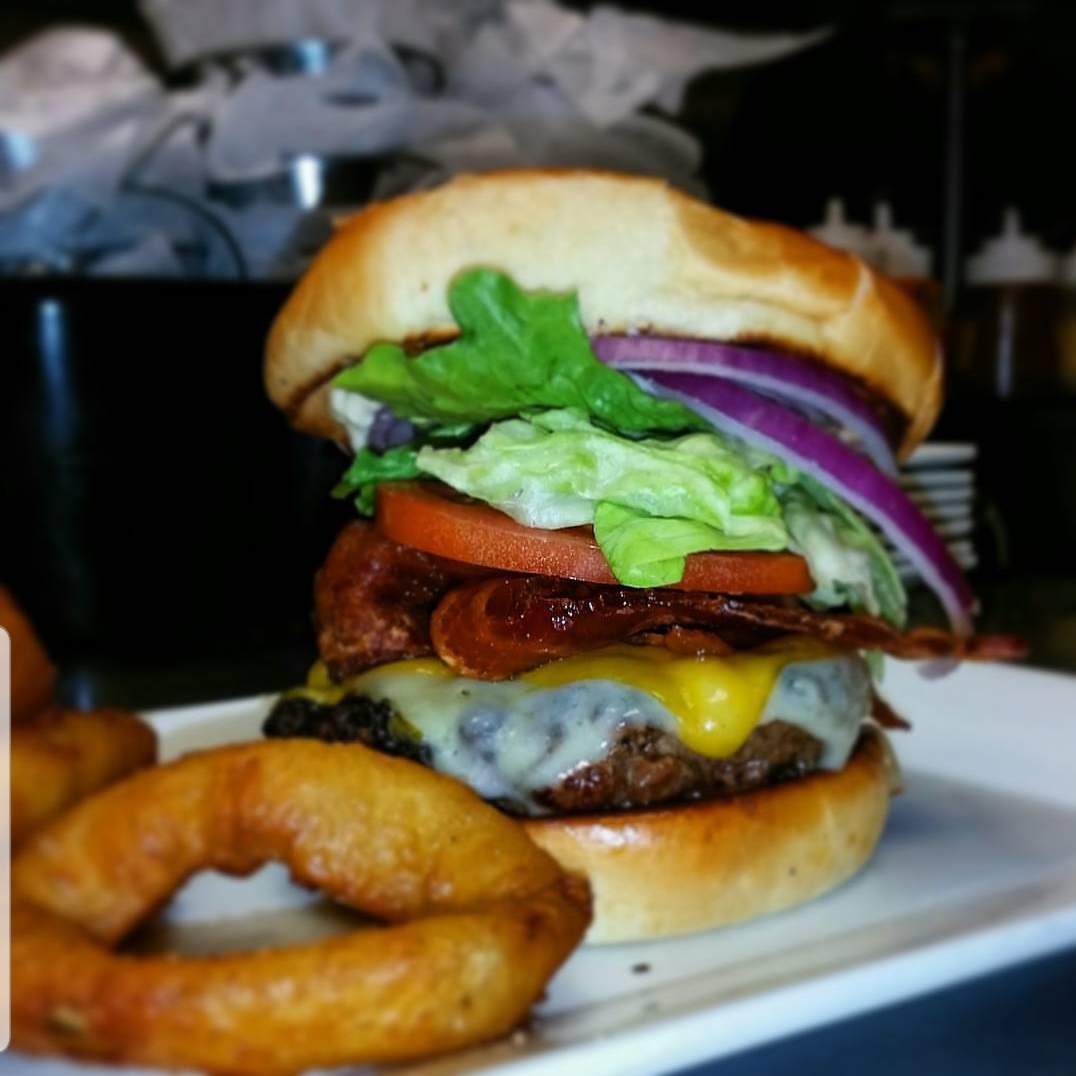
162	524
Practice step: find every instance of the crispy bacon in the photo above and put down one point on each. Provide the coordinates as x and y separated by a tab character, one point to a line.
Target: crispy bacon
693	642
885	715
373	598
497	628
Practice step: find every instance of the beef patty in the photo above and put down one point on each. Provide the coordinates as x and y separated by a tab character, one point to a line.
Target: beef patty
644	766
647	766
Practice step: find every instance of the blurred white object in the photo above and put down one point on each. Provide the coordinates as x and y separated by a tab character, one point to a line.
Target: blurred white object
1013	257
565	78
894	250
644	145
610	63
1066	269
607	63
62	77
314	115
194	29
837	231
101	167
73	102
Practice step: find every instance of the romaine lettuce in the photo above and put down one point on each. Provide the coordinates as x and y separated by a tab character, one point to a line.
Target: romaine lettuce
653	502
555	469
368	468
847	559
647	552
517	352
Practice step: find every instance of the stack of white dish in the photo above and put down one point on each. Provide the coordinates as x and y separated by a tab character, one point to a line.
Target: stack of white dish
940	478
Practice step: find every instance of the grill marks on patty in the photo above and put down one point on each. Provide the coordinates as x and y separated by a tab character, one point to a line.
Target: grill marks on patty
354	719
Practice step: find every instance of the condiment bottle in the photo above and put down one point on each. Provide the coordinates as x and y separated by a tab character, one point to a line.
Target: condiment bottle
839	232
896	253
1006	337
1066	329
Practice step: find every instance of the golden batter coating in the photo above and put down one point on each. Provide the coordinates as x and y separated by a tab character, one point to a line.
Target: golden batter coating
483	916
63	755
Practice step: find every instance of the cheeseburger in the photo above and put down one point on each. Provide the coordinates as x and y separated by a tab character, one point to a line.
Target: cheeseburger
624	468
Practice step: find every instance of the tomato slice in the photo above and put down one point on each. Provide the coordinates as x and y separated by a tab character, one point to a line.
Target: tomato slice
435	519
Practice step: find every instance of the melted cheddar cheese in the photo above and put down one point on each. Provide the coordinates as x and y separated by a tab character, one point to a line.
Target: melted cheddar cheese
716	701
511	739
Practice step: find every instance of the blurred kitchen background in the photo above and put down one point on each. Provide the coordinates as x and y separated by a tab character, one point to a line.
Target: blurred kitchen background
168	167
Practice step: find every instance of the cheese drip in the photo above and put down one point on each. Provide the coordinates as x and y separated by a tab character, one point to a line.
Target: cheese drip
716	701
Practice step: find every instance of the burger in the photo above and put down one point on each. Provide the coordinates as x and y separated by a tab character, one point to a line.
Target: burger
624	471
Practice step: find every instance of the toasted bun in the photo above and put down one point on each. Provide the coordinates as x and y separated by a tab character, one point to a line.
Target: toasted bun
680	870
641	256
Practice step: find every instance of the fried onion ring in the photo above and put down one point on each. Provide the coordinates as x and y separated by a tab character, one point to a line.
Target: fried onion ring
33	675
484	917
63	755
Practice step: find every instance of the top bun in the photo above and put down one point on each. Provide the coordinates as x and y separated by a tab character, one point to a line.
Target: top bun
640	255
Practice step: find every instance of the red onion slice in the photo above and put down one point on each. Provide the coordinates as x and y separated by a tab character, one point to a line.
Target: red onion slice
789	436
793	381
388	430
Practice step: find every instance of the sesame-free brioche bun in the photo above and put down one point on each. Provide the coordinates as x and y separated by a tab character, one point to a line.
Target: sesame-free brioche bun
689	868
641	255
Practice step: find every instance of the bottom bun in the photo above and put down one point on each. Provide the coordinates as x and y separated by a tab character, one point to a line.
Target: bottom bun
679	870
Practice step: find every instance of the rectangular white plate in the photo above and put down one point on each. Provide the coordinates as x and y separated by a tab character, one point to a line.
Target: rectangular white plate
977	870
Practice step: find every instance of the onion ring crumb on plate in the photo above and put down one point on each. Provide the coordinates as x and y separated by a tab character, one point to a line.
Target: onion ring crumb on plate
482	916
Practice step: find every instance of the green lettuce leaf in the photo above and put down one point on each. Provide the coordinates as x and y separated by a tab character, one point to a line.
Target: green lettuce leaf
651	502
368	469
648	552
847	559
654	502
517	352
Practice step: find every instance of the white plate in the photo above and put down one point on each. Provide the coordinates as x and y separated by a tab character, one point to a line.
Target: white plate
958	512
951	527
942	454
959	547
962	551
908	574
944	478
958	496
977	870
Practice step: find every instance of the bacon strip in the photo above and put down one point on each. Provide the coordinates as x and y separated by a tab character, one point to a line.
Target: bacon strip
497	628
885	715
373	598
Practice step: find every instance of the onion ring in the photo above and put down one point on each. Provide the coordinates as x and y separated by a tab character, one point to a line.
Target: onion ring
485	917
33	675
63	755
